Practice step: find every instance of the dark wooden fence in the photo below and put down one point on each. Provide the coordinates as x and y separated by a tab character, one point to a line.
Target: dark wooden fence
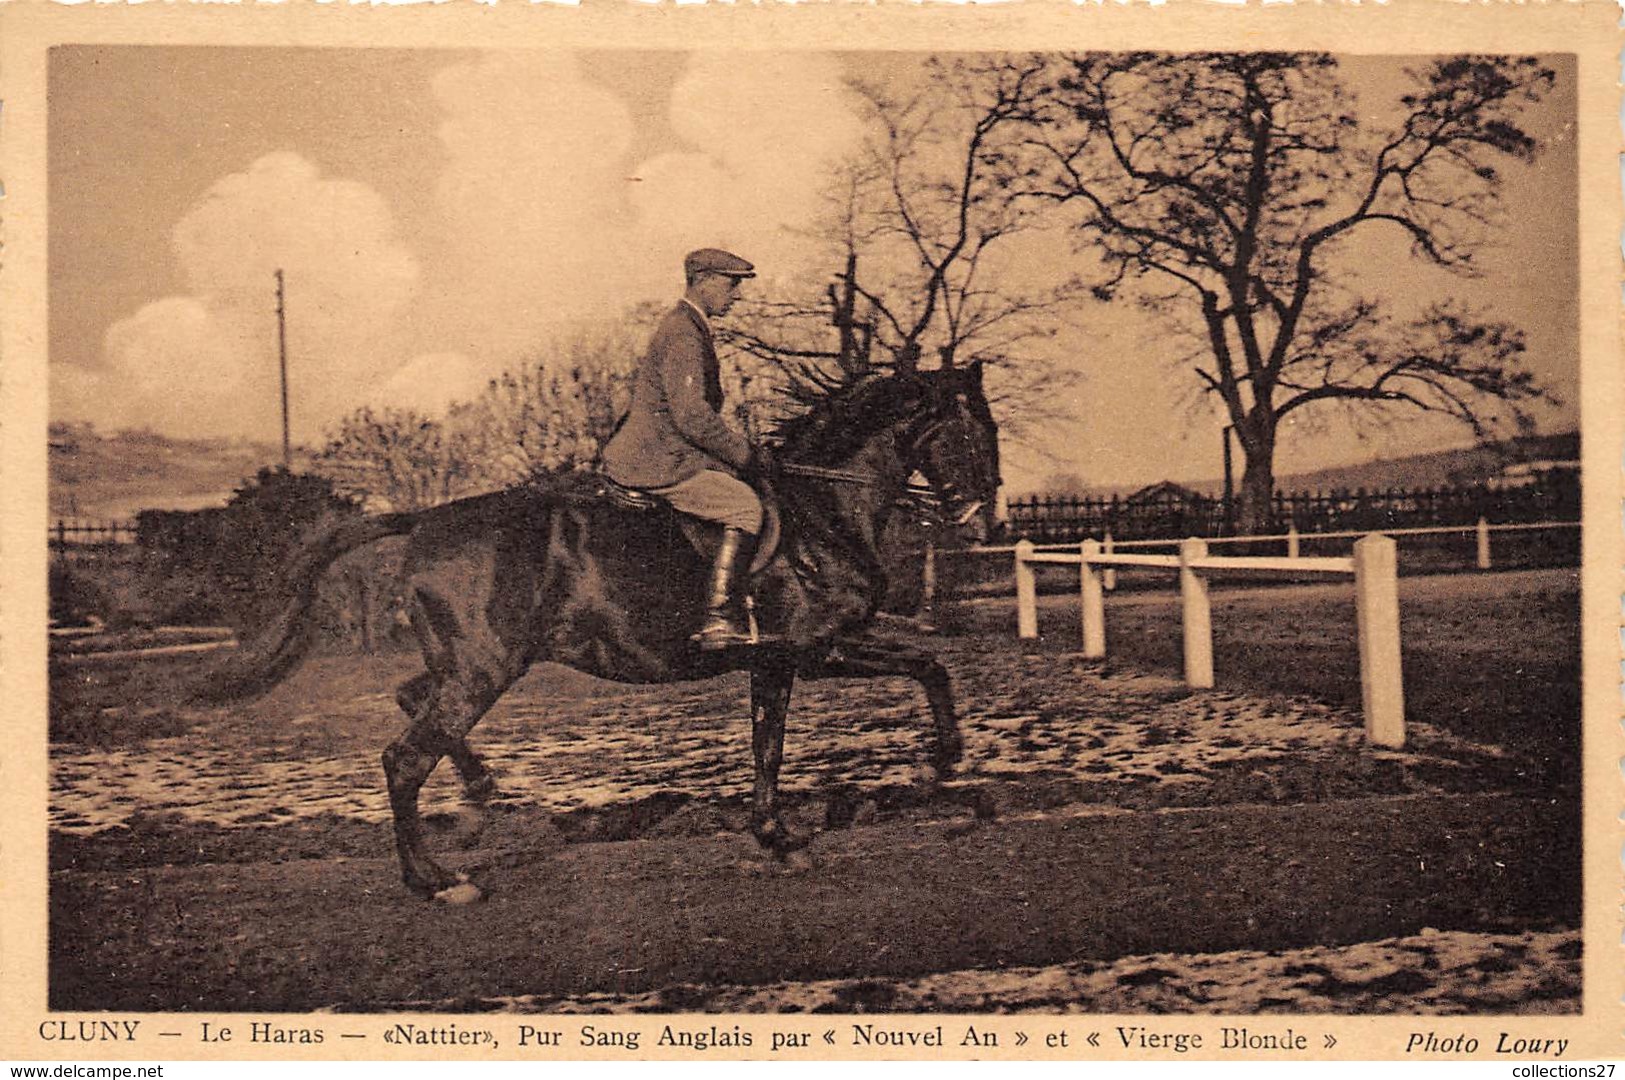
65	533
1172	516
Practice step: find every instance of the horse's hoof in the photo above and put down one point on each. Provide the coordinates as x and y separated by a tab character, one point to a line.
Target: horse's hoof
482	791
778	840
464	892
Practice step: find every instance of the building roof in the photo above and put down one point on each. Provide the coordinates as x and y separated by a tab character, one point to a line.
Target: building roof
1166	490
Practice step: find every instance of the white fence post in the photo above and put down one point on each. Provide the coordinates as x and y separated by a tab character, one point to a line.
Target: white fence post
1108	579
1026	592
1292	541
1197	616
1093	601
1376	608
1483	544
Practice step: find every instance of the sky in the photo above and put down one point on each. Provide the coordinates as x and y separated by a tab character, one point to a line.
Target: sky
440	215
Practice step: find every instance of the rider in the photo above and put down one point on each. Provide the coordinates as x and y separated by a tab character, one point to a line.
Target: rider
675	443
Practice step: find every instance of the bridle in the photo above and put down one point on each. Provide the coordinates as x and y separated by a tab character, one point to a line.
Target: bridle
913	491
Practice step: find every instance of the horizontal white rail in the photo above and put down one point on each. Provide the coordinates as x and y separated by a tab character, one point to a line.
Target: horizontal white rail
1530	526
1303	564
1072	558
1155	562
205	633
1430	530
112	656
1309	564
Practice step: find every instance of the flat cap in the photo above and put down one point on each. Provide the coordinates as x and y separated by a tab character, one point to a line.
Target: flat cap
717	261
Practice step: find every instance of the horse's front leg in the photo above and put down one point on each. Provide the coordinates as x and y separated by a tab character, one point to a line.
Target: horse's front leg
770	686
867	659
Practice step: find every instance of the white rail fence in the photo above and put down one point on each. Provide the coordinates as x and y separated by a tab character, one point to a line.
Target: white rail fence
1374	567
1293	539
165	641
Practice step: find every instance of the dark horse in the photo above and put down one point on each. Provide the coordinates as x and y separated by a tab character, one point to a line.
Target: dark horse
560	572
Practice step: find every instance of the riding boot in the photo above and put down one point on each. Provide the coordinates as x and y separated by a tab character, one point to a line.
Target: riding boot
723	628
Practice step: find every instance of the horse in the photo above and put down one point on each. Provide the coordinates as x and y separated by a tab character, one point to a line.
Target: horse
566	572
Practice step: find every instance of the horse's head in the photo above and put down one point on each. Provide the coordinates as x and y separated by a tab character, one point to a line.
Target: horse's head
936	423
954	443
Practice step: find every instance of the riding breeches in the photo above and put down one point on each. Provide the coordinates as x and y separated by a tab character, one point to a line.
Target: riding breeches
716	496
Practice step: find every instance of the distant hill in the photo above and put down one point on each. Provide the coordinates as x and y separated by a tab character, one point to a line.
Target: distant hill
1440	468
112	477
1443	468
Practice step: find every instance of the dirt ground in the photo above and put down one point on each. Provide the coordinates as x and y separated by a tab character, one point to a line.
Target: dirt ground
1113	843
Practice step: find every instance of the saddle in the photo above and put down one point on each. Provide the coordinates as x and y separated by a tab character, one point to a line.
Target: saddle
598	489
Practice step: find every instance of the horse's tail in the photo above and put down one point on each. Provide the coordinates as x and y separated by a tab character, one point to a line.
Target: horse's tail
286	637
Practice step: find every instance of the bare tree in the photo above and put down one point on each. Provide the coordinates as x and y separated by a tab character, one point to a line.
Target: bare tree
547	415
398	458
557	411
1222	185
923	244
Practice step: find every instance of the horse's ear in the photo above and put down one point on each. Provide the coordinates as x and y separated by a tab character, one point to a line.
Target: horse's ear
975	372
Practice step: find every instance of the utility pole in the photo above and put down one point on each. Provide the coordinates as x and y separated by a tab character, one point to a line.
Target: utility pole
282	364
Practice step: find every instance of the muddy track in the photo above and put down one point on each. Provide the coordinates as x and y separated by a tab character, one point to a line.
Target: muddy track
1112	837
885	901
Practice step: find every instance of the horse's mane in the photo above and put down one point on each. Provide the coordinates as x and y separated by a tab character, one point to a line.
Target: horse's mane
833	416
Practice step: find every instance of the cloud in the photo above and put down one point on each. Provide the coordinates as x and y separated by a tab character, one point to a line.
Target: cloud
205	362
767	129
179	364
532	205
548	218
334	238
541	217
430	384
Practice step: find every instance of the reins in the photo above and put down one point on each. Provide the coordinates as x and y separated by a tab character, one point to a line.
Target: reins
842	476
818	472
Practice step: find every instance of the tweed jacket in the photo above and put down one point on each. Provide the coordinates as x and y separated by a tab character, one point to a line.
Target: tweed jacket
674	428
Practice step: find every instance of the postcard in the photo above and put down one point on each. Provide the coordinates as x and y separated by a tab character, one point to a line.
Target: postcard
1073	532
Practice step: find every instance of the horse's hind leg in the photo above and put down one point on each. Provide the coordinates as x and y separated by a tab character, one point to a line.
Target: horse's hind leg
414	693
408	761
437	730
479	783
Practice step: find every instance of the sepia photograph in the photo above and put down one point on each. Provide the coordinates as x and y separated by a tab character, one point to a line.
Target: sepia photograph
731	531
